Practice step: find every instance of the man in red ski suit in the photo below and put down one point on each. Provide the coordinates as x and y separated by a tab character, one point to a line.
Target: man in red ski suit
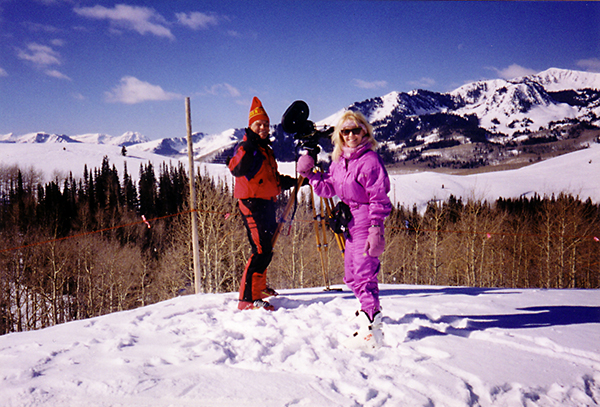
257	184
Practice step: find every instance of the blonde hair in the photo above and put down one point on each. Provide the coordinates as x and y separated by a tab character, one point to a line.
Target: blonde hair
361	121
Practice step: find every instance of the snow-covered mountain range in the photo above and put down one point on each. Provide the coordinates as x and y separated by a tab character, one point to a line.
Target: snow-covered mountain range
494	100
493	111
127	139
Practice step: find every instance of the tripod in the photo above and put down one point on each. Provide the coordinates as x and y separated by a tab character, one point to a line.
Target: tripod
320	226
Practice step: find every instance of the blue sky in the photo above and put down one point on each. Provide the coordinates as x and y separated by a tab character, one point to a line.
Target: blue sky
94	66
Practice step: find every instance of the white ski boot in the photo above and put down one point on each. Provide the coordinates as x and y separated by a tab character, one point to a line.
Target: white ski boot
368	335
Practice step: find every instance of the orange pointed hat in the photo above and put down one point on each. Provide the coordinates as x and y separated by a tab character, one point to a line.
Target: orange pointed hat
257	112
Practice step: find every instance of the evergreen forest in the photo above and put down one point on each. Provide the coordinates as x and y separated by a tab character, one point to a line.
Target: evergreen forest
72	249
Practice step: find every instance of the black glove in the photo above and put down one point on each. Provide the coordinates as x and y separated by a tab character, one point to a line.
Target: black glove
287	182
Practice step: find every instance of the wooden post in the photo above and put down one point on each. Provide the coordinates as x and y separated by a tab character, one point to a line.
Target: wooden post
195	247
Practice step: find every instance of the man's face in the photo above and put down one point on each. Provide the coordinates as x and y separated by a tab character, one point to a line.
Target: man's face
260	127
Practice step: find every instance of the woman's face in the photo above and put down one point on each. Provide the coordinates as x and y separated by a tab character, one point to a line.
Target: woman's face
352	135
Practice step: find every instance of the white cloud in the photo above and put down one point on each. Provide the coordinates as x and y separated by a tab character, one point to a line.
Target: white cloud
423	83
143	20
223	89
514	71
197	20
3	72
37	27
40	55
56	74
359	83
591	65
131	91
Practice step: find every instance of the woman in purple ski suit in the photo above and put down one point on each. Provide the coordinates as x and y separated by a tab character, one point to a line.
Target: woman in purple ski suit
358	177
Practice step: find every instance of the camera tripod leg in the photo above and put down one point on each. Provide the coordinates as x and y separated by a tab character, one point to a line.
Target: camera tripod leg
320	236
286	210
339	237
320	225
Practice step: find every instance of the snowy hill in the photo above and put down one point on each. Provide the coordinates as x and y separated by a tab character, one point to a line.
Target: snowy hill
39	137
508	106
203	145
444	346
126	139
574	173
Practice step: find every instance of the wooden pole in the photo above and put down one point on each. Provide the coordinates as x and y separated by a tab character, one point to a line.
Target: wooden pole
195	247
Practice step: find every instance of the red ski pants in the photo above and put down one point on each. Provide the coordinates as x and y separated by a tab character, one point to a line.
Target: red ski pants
259	219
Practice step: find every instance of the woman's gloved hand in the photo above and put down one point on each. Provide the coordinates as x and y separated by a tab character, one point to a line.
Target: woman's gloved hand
375	241
305	165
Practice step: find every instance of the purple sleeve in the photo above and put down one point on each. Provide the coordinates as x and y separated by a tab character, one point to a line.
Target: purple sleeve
323	183
374	178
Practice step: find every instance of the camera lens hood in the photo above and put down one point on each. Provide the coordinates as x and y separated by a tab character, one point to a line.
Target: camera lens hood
295	118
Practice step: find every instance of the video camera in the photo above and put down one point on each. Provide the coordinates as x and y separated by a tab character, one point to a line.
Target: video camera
295	121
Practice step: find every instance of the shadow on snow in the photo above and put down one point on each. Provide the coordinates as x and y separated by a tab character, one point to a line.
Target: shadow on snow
532	317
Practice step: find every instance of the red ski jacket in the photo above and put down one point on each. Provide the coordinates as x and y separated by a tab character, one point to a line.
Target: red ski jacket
255	169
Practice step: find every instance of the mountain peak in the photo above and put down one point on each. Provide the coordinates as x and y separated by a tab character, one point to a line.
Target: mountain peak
130	138
556	79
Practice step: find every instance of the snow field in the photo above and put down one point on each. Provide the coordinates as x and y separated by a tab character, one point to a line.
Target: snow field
444	346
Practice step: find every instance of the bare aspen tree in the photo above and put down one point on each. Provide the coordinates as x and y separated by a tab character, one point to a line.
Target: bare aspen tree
547	228
434	220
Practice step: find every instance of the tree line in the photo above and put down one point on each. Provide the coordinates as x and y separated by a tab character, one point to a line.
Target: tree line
78	248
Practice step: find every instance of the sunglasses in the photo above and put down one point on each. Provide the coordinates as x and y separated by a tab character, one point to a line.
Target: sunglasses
346	132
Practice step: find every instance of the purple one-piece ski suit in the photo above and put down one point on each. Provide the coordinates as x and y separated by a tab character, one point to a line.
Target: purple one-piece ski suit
360	180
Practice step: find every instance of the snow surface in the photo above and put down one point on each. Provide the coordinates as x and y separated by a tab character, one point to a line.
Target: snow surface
576	173
444	346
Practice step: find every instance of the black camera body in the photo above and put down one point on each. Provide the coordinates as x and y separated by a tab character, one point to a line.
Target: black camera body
295	121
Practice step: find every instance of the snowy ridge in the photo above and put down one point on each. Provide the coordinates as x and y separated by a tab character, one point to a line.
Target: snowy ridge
40	137
443	346
502	106
507	106
126	139
523	103
202	144
555	79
